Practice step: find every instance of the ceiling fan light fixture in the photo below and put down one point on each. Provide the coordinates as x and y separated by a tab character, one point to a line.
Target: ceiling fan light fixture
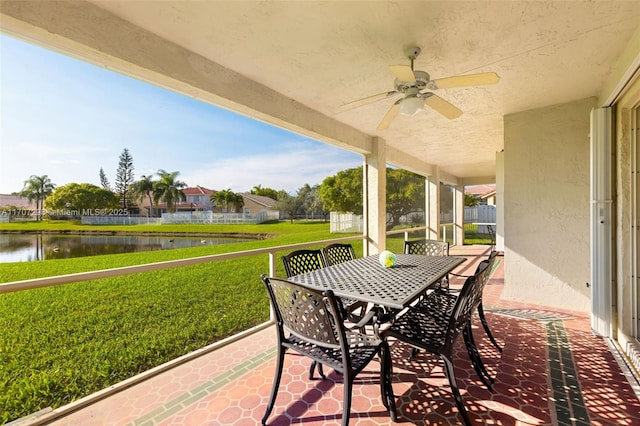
411	105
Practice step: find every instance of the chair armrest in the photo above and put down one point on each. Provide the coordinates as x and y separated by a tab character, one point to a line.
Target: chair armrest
366	319
460	275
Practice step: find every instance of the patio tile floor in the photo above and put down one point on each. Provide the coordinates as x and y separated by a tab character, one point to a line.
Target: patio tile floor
552	371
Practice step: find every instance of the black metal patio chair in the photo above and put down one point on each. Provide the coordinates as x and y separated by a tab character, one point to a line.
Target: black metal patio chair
302	261
490	261
492	236
441	299
356	311
299	262
310	322
338	253
435	325
306	260
428	247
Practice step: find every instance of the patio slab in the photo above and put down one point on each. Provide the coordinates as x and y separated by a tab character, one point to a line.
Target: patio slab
552	371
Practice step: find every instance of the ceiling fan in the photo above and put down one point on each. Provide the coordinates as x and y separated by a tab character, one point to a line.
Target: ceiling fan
416	88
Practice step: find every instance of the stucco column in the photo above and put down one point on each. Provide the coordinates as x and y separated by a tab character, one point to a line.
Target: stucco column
432	220
458	220
374	198
500	201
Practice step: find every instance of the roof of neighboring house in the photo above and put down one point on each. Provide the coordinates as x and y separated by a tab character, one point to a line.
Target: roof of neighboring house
481	191
198	190
182	205
259	199
14	200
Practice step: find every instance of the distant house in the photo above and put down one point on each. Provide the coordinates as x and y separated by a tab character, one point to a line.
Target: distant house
197	199
16	201
15	207
255	203
486	194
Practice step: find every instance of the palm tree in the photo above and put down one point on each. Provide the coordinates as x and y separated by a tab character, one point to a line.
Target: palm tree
226	198
169	189
144	187
223	198
238	203
37	188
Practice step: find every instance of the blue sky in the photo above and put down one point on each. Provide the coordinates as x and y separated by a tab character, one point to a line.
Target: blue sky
66	119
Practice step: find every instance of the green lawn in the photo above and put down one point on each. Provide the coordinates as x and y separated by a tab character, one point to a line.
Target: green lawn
61	343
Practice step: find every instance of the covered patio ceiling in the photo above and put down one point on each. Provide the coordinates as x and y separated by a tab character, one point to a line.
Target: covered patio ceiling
317	56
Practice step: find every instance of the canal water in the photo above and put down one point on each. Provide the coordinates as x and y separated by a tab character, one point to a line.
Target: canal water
34	247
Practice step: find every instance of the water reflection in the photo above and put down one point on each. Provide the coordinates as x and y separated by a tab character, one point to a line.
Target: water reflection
34	247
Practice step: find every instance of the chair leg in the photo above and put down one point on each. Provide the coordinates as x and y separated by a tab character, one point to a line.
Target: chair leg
485	325
346	404
276	383
386	379
414	352
444	284
312	369
448	364
476	360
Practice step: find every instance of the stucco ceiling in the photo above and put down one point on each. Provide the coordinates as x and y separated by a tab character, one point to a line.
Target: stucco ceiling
324	54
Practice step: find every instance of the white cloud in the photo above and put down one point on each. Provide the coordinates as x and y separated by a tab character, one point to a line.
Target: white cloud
280	170
69	132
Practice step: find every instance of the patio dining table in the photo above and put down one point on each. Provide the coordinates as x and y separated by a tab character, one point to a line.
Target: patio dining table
365	279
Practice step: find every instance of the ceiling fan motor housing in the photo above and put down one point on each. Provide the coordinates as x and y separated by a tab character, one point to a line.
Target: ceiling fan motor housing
422	79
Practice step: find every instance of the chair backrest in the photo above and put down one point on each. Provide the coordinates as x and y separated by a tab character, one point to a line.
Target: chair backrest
483	273
490	261
338	253
492	236
309	314
301	261
427	247
468	300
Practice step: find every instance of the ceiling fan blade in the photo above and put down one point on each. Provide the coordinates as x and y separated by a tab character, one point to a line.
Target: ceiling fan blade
465	80
389	116
403	73
443	107
366	100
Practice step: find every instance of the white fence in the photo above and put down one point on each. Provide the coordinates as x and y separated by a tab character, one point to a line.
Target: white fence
349	222
119	220
480	215
345	223
207	217
210	217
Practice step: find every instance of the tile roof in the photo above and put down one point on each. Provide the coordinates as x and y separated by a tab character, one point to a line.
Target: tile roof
480	190
198	190
260	199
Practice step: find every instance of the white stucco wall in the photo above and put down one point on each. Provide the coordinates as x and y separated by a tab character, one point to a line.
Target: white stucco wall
546	205
625	207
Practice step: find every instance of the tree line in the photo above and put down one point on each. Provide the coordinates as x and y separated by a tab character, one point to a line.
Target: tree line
341	192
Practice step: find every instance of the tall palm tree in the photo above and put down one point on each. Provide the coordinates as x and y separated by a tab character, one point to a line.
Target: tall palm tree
223	198
238	202
144	188
169	189
227	198
37	188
